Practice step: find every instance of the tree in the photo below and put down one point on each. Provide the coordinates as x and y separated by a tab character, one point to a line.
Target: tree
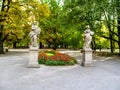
17	18
51	33
118	21
96	13
4	10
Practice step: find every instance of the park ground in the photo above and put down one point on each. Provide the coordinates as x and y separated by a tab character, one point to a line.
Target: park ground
104	75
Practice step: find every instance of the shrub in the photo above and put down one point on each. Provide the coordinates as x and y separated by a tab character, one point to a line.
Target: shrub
55	58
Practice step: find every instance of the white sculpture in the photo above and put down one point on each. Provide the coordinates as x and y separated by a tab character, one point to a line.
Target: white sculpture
35	31
87	38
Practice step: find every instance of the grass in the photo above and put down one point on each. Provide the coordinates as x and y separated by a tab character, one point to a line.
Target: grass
49	54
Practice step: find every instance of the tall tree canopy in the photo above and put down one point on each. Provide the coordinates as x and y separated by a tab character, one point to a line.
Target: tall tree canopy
16	17
62	22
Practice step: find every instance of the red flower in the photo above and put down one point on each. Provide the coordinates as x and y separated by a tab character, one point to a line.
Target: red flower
55	57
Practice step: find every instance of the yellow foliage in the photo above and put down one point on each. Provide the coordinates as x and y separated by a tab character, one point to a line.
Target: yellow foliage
37	11
21	15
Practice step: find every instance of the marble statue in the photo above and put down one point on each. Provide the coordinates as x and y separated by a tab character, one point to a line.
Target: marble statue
87	38
35	31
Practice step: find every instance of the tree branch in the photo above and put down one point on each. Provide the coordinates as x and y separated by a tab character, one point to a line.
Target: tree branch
109	38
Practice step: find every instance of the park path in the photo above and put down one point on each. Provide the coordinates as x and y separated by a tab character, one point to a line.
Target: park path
14	75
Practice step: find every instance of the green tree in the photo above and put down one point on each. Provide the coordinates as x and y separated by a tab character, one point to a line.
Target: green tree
51	33
96	13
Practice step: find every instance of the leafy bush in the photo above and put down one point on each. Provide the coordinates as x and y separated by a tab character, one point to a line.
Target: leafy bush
106	54
55	58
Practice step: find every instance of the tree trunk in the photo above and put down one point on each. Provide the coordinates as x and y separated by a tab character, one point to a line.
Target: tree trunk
1	47
14	45
119	35
54	46
110	34
118	13
4	8
111	43
40	46
1	40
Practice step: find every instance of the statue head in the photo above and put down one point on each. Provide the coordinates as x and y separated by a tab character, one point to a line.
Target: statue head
35	23
88	27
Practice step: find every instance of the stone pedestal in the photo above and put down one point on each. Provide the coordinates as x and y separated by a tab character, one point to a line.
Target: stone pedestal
33	57
6	49
87	58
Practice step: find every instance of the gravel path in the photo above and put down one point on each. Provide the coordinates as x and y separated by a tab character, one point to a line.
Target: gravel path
14	74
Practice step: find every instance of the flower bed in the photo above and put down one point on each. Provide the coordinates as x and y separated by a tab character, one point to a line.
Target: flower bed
55	58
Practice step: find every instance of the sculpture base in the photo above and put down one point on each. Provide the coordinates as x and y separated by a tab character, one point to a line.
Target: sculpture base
87	58
33	57
33	66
